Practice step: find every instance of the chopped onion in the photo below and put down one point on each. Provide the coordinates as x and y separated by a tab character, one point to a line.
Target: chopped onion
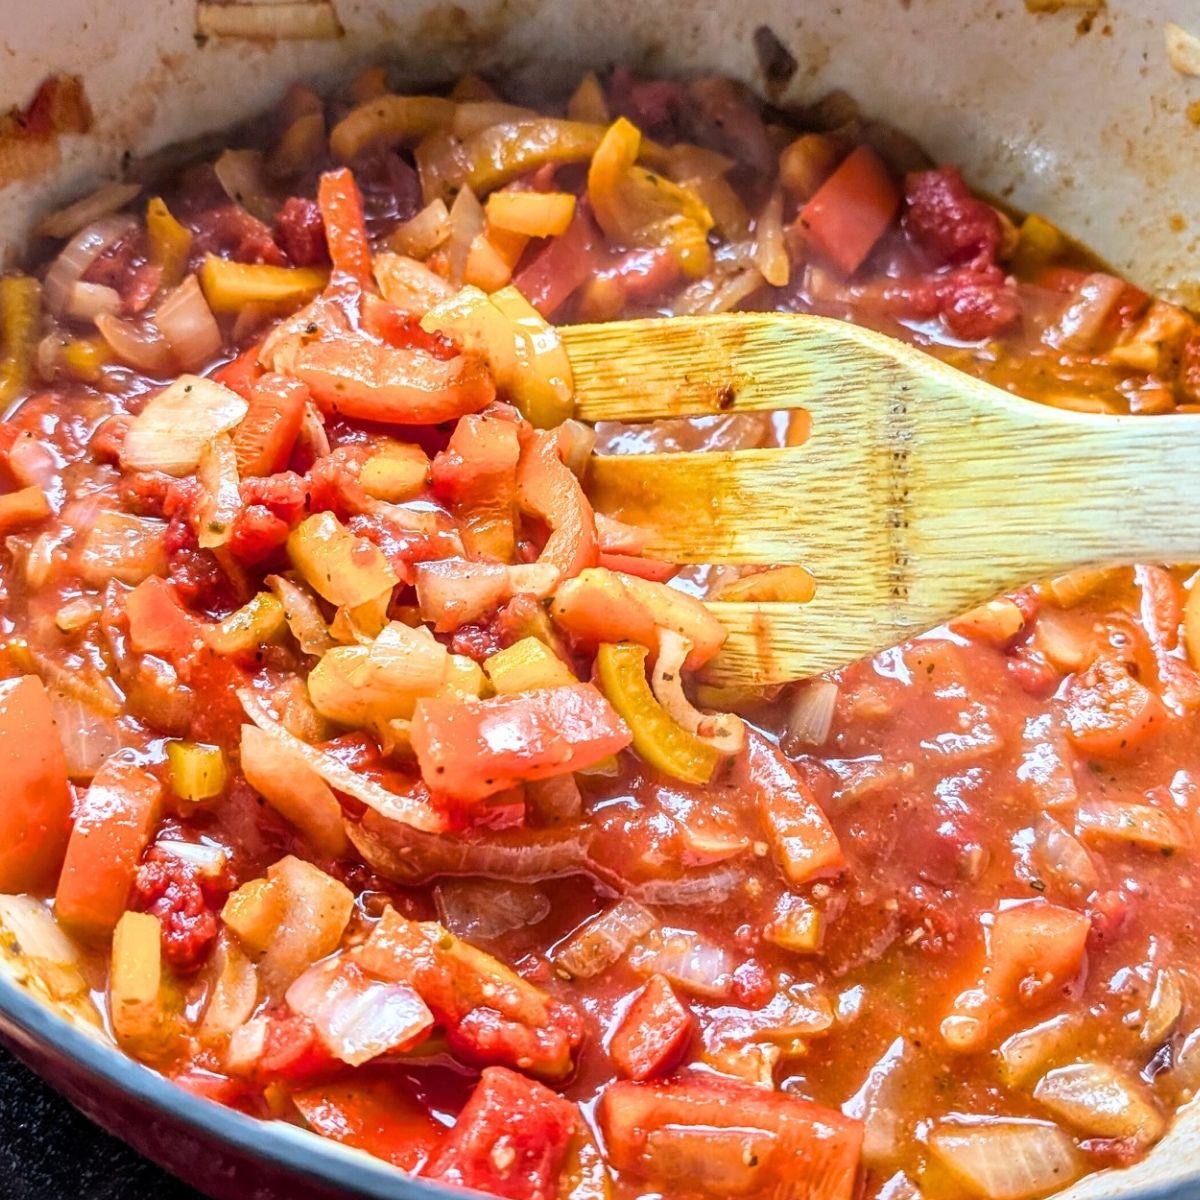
234	993
1141	824
811	715
725	732
581	441
88	737
603	939
170	433
421	235
246	1045
770	253
1183	49
123	547
1163	1009
1060	857
207	859
298	20
408	810
1082	321
1099	1101
141	345
357	1017
1185	1067
453	591
718	292
68	221
294	790
240	173
33	942
1006	1160
1025	1054
466	224
79	254
555	799
189	326
698	966
312	434
879	1103
303	615
87	301
485	908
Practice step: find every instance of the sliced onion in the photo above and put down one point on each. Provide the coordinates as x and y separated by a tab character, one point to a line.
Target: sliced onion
139	345
725	732
303	615
770	253
207	859
357	1017
87	301
1006	1160
692	962
312	432
79	254
603	939
33	938
1141	824
485	908
581	441
1025	1054
171	432
421	235
1082	321
123	547
246	1046
1061	858
811	716
718	292
66	222
189	326
240	173
453	591
408	810
1099	1101
220	498
294	790
466	224
406	855
554	800
695	889
1163	1009
88	737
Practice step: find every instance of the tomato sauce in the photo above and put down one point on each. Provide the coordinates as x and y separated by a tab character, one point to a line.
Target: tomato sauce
920	928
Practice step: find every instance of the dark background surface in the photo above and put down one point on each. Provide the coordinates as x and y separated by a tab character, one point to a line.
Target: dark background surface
48	1151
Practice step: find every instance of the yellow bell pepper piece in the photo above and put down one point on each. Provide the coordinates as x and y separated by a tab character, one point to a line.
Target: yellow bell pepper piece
527	666
254	912
198	772
83	357
136	978
398	472
20	314
635	206
170	242
259	620
337	564
778	585
230	286
1039	241
662	743
535	214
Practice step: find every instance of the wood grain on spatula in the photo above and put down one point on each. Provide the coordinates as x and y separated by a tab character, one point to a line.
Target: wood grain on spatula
920	492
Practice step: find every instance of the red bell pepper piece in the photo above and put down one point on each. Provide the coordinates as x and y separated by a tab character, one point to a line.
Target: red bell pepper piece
548	489
239	374
158	622
563	265
263	441
345	229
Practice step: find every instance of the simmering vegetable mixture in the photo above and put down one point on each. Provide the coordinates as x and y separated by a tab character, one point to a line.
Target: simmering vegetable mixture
355	772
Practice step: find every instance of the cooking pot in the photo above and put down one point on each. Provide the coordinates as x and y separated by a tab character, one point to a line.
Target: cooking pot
1070	108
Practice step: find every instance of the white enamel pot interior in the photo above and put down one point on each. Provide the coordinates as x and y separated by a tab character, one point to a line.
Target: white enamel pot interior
1073	112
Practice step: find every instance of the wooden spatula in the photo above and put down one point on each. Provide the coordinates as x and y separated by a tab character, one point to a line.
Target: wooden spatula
920	493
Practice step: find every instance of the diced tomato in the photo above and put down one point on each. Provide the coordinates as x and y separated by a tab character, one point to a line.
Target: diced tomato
373	1114
399	328
548	489
239	374
1033	954
1161	605
477	474
301	232
948	220
229	231
221	1089
721	1138
158	622
563	265
804	842
470	749
1109	713
113	824
653	1033
1061	279
168	887
263	441
510	1140
345	227
35	811
851	210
